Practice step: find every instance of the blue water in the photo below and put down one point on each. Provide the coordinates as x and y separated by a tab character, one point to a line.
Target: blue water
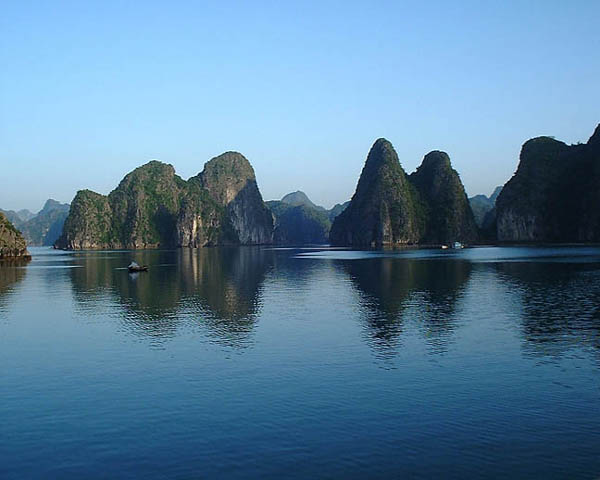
301	363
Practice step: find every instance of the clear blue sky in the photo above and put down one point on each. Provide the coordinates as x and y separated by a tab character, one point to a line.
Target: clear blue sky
90	90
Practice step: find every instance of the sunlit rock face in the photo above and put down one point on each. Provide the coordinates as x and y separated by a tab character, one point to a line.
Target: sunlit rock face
153	207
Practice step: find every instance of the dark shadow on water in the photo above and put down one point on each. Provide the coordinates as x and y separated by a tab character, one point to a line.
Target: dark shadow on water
213	288
396	291
11	274
560	305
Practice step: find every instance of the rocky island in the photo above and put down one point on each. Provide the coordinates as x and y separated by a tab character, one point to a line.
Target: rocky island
153	207
553	196
391	208
12	243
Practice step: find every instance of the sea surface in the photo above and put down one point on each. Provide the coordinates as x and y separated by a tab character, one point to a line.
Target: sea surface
301	363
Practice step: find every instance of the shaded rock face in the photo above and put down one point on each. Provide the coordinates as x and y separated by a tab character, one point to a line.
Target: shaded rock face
391	208
448	214
12	243
153	207
385	209
554	194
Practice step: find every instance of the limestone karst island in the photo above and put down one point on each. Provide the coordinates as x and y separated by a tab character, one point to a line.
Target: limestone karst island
552	198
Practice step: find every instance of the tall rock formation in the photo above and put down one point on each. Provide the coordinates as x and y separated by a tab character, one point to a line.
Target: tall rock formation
12	243
554	194
153	207
391	208
385	209
448	213
237	208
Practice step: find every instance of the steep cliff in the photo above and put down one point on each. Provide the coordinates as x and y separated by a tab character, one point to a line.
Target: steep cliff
385	209
448	215
12	243
554	195
230	181
153	207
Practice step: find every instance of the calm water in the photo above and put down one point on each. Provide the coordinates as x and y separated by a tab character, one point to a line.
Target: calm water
284	363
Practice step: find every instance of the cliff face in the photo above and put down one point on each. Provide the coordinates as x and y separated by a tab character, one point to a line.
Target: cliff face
230	182
153	207
385	209
448	215
12	243
554	195
391	208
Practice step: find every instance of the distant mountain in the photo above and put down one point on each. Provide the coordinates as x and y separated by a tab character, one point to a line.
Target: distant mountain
153	207
391	208
337	209
299	198
482	205
12	243
44	227
17	218
554	195
299	224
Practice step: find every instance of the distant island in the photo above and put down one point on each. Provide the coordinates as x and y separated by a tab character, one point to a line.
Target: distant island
553	197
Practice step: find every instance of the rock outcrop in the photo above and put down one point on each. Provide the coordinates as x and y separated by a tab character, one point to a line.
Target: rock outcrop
385	209
12	243
391	208
448	215
153	207
554	195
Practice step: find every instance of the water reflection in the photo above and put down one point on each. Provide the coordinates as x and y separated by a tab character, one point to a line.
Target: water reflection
11	274
223	284
215	288
559	302
395	291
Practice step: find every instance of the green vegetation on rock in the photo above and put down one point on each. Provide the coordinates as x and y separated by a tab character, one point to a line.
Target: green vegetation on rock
12	243
391	208
153	207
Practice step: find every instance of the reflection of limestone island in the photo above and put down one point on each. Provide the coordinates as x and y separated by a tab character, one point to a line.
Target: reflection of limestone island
12	243
217	289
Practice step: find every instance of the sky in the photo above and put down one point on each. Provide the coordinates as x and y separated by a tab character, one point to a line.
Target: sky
91	90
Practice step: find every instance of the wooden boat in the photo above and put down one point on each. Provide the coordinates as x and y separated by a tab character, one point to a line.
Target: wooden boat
134	267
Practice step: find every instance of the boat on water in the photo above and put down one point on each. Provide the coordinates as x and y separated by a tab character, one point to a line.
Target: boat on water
458	245
134	267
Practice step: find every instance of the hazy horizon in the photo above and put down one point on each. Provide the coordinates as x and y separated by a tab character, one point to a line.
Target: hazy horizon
92	91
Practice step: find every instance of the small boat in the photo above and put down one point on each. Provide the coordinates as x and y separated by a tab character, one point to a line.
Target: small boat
458	245
134	267
444	247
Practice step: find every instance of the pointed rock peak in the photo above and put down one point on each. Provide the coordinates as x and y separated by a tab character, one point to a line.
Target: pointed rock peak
229	164
382	153
435	160
595	138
